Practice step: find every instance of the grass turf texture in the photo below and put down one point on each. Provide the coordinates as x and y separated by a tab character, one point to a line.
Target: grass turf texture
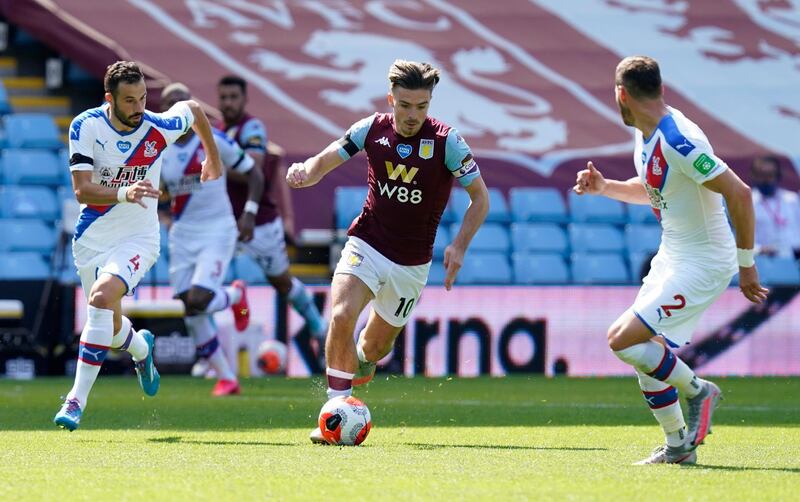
512	438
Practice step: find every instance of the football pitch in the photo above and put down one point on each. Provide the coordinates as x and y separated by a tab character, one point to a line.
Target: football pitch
515	438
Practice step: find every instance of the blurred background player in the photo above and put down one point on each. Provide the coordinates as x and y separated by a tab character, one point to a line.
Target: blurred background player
202	239
681	178
413	159
115	159
260	224
777	210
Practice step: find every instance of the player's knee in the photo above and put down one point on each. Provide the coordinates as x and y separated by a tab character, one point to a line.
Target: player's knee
101	299
196	301
343	321
616	337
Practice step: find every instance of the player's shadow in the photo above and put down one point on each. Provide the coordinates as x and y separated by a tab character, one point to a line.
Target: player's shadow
430	446
179	439
741	468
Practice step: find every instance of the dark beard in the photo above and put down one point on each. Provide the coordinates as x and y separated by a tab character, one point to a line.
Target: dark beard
127	120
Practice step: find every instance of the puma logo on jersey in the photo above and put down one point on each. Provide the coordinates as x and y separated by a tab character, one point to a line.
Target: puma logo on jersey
383	141
400	171
101	143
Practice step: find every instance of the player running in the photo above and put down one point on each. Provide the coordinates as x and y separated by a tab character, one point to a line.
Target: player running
115	160
682	179
260	225
412	159
202	239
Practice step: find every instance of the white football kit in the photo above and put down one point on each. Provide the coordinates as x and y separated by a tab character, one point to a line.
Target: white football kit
203	235
697	256
123	238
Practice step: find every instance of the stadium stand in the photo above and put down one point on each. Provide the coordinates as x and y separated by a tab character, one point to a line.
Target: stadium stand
539	237
436	273
778	271
31	130
639	213
642	238
539	268
26	235
347	204
28	202
5	106
585	237
596	209
23	266
442	240
538	205
30	167
485	268
599	268
490	237
498	209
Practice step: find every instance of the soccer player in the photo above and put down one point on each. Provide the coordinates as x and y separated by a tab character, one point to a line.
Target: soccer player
413	159
260	224
115	160
202	239
679	175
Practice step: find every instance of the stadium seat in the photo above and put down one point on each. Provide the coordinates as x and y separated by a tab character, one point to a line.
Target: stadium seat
63	163
485	268
348	202
537	204
23	266
441	242
539	268
498	209
5	106
28	202
599	268
489	237
642	238
247	269
27	235
596	209
436	274
29	167
640	213
588	237
31	130
539	237
778	271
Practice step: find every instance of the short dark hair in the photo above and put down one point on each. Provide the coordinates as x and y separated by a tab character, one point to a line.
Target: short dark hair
413	75
234	80
121	71
640	76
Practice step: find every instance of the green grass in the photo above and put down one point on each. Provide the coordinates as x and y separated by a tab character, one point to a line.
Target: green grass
447	439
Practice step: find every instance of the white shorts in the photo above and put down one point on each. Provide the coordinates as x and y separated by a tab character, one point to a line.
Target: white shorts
672	299
200	260
129	261
268	248
396	287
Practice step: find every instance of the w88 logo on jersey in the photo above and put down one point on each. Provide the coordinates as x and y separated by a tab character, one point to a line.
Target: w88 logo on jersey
399	192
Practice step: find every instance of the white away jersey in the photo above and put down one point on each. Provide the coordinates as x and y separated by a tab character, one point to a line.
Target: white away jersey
119	159
201	207
673	163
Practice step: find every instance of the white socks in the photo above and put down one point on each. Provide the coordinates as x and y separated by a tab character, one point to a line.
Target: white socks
130	340
95	342
223	298
663	402
205	338
659	362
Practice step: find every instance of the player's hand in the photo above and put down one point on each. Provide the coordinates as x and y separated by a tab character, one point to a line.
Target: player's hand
212	169
453	259
140	190
297	175
750	286
246	224
590	181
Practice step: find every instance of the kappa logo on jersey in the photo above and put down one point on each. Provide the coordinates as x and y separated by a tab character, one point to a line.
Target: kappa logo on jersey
383	141
426	148
704	164
404	150
123	146
150	149
400	171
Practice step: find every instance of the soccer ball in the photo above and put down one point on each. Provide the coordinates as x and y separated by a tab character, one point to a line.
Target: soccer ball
272	357
345	421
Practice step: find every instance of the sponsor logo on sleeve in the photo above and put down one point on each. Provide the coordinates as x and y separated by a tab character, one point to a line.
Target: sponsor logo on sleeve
468	166
426	148
404	150
704	164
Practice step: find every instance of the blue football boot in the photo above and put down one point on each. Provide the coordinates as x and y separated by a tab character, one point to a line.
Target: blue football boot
69	416
146	369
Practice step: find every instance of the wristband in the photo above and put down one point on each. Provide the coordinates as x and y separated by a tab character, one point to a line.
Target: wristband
251	207
122	194
745	257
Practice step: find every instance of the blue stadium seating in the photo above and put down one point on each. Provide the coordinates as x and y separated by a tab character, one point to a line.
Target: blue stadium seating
589	237
23	266
348	202
636	262
436	273
640	213
776	270
27	235
28	202
540	268
498	209
441	242
164	239
30	167
485	268
248	269
489	237
5	106
539	237
31	130
158	273
596	209
642	238
459	201
599	268
538	204
63	163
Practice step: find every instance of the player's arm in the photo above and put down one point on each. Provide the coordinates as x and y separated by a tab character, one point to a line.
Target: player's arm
281	194
255	189
739	201
591	181
212	165
88	192
308	173
473	219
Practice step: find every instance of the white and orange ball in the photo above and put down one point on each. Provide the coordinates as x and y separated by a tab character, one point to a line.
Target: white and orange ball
272	356
345	421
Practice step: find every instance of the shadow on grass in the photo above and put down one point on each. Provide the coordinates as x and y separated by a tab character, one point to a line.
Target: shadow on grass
741	468
179	439
428	446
